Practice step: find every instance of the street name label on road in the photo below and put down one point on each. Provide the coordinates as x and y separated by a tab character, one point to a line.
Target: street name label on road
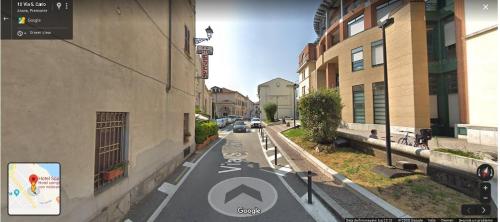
228	165
242	197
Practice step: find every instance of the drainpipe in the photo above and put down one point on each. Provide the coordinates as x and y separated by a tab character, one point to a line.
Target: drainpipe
169	76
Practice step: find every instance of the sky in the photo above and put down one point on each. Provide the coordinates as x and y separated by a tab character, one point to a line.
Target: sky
254	40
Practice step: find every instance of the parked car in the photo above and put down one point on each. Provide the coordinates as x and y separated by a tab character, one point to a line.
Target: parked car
226	119
239	127
221	123
255	123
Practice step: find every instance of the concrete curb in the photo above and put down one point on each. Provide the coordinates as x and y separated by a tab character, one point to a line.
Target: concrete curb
362	192
327	201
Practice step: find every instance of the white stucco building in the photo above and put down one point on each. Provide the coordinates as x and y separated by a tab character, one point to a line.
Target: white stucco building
279	91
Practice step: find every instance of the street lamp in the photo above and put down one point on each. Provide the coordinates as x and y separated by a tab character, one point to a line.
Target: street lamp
295	86
383	26
209	31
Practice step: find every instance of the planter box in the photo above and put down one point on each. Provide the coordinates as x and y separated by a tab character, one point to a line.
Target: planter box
113	174
202	145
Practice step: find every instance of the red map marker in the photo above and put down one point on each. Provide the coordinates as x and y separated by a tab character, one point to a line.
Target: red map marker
33	178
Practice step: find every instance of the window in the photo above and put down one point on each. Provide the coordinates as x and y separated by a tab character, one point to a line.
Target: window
186	134
187	42
378	102
356	25
377	53
358	98
357	59
384	10
449	32
303	90
110	147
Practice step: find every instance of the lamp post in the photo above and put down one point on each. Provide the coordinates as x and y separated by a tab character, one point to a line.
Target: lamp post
295	85
383	26
209	31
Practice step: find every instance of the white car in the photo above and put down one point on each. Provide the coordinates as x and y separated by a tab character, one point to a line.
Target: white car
255	123
221	123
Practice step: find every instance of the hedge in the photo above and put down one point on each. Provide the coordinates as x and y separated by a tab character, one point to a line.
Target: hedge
204	129
320	114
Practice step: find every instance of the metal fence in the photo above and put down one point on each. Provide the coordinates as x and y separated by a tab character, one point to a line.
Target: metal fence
109	144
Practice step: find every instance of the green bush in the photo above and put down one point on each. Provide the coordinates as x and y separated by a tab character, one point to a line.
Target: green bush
270	110
320	115
204	129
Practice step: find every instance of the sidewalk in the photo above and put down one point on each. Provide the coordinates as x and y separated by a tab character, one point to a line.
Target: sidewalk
335	189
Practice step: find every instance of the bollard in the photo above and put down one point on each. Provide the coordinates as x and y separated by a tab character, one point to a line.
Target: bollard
266	142
309	187
275	155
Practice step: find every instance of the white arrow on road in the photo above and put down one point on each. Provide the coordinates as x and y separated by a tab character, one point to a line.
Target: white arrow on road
231	169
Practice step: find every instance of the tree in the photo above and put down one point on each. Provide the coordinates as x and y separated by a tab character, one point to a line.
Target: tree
320	115
270	110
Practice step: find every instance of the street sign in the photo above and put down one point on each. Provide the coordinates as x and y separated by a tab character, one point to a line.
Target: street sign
204	66
204	49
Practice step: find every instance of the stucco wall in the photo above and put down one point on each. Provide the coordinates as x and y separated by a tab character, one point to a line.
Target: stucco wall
281	95
116	62
482	72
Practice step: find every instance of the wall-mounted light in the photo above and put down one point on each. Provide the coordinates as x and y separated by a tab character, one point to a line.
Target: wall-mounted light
209	31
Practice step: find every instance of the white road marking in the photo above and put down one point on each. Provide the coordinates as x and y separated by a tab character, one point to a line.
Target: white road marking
275	172
320	214
163	204
231	169
188	164
285	169
272	157
167	188
268	148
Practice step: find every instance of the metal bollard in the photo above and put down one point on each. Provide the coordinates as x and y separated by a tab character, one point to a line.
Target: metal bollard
309	187
266	142
275	155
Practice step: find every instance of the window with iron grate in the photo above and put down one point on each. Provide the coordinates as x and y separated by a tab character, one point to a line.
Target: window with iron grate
110	148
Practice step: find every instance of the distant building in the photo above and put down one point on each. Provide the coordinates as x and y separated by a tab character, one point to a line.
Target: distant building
307	65
279	91
229	102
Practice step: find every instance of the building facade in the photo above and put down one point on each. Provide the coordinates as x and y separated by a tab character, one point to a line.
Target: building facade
203	96
478	35
280	92
229	102
426	53
106	97
307	65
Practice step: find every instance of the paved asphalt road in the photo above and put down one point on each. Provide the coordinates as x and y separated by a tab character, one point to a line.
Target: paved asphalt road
233	176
